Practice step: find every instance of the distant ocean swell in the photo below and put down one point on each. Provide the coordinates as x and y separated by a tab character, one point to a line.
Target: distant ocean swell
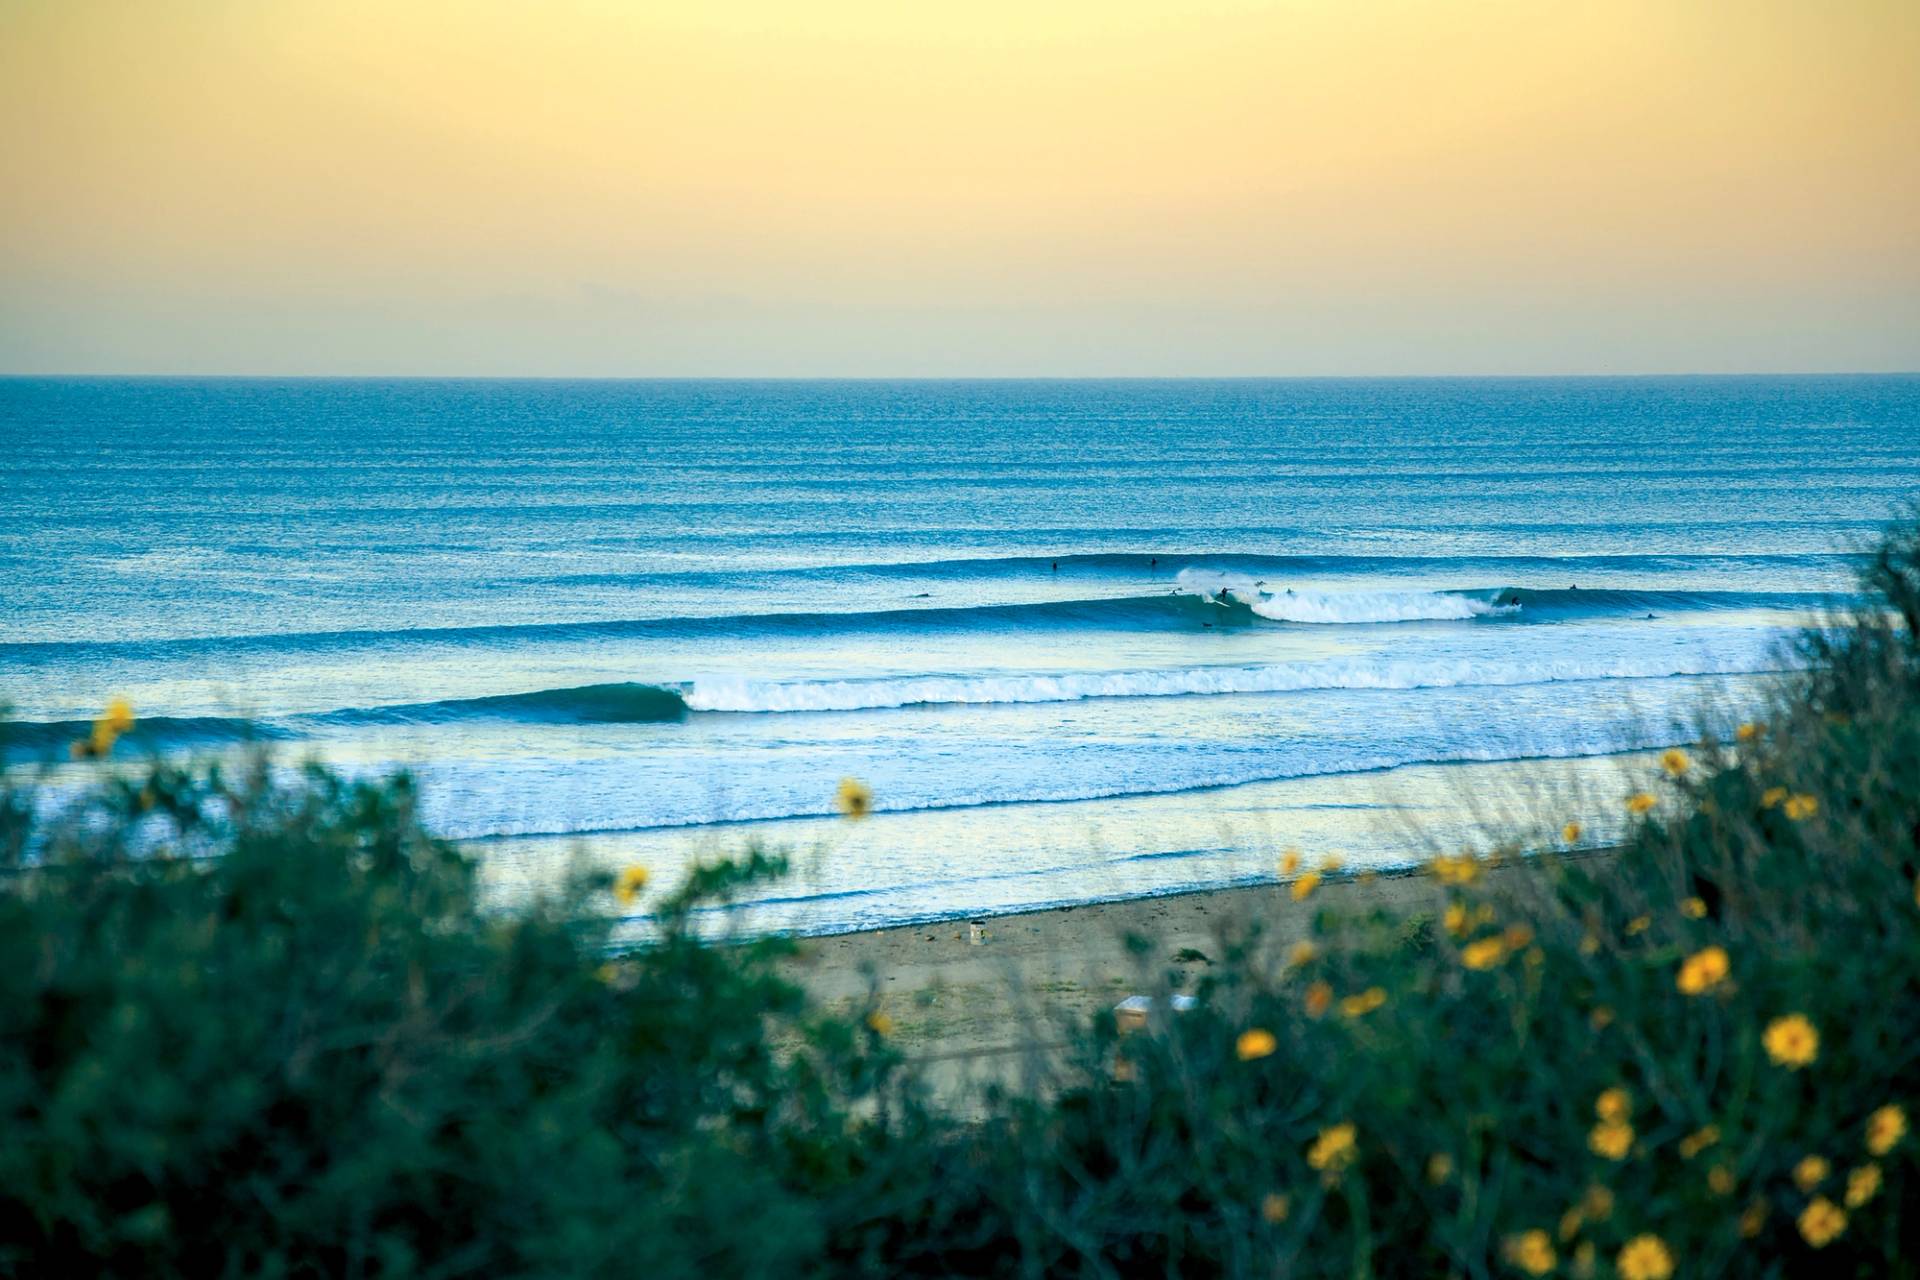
1193	602
1143	563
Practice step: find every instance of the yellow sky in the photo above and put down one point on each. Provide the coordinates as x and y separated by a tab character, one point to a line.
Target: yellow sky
838	186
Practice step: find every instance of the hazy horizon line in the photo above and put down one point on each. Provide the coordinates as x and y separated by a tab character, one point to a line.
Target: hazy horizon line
1650	375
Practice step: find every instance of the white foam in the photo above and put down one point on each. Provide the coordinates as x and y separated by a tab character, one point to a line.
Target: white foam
1335	607
1346	673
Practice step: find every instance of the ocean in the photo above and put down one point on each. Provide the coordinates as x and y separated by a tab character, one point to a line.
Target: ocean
1083	639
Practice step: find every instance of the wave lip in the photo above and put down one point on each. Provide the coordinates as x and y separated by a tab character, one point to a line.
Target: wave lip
1335	607
615	703
39	737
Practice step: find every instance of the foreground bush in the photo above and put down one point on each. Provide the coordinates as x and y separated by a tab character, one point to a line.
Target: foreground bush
311	1052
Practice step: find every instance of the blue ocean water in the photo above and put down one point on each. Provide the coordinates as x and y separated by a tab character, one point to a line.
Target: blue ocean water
1082	638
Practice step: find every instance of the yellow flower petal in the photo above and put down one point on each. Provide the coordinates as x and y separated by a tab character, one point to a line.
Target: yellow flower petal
1822	1222
1333	1150
1792	1041
628	884
1644	1257
1255	1043
1702	971
1885	1128
854	798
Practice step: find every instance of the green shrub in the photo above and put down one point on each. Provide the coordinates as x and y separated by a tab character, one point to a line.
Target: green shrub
315	1054
251	1025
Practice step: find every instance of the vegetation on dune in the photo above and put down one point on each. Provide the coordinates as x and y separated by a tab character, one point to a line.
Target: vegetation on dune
263	1026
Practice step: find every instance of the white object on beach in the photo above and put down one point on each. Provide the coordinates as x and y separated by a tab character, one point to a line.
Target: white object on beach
1131	1014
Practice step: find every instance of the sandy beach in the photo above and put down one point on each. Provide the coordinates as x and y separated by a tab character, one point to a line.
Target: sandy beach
969	1008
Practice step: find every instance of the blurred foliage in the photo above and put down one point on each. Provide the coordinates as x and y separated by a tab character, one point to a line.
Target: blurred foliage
261	1024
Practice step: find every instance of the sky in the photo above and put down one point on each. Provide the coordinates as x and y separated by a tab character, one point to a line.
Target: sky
934	188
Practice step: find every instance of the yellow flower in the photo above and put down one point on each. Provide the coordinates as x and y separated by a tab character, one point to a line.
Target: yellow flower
1885	1128
1289	862
1612	1139
1483	954
1720	1180
1638	925
1799	807
1517	936
1570	1223
1597	1203
1332	863
1456	917
1583	1260
879	1023
1530	1251
1791	1041
1702	971
1590	943
1303	953
1357	1006
1863	1184
1462	870
1821	1222
1613	1104
1439	1168
1753	1217
1319	996
1332	1151
1640	802
1305	885
1748	731
1644	1258
1570	834
1772	796
1601	1018
1256	1043
1275	1207
107	729
1811	1172
1674	761
1694	908
854	798
1699	1140
607	973
628	884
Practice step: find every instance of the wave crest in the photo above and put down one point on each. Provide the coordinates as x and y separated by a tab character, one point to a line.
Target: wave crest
1334	607
755	696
